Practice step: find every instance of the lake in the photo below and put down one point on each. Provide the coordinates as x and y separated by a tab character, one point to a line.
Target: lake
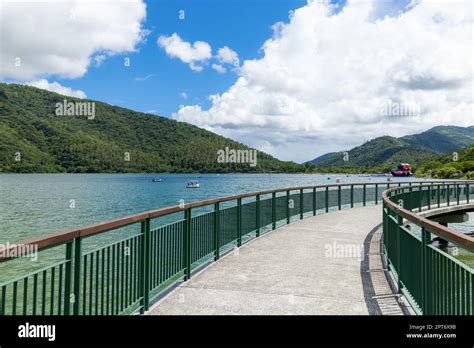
36	204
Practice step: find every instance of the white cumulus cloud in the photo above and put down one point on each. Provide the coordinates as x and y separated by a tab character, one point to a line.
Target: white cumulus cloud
326	77
194	54
63	38
219	68
227	55
57	87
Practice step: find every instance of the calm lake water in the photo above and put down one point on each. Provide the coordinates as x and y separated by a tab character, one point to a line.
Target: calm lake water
35	204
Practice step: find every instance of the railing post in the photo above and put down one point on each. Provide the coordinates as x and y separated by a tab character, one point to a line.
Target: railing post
448	195
457	194
77	275
314	201
339	197
301	204
216	231
429	197
327	199
68	278
425	272
404	203
399	254
376	194
419	197
239	222
385	220
273	210
288	213
352	196
438	196
410	189
145	266
257	216
467	193
187	244
364	195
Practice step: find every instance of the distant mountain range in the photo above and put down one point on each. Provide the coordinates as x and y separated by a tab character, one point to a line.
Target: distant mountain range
34	138
413	149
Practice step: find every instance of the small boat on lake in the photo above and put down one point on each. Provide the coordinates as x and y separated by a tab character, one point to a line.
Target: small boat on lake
192	184
156	180
403	169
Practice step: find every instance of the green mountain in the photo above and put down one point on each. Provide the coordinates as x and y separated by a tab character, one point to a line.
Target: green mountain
34	139
454	165
414	149
442	139
322	158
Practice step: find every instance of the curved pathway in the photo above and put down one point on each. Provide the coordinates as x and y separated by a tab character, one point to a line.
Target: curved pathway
311	266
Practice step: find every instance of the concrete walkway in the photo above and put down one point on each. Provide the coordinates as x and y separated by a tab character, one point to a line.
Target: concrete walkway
312	266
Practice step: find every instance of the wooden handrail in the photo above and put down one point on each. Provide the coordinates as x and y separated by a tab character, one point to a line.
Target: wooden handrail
458	238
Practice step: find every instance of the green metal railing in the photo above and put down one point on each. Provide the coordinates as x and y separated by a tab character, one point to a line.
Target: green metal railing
433	281
127	275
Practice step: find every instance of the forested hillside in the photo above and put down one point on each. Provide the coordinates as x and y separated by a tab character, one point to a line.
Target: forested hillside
34	139
385	151
455	165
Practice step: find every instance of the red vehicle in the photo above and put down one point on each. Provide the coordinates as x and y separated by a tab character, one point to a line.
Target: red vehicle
403	169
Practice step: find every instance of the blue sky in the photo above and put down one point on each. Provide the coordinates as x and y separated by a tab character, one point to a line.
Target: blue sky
154	82
316	83
243	25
